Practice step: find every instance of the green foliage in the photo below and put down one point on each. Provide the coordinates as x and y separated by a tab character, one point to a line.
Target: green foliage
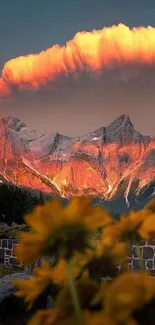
6	271
11	231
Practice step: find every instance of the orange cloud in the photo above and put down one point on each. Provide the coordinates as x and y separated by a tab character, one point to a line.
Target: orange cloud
86	51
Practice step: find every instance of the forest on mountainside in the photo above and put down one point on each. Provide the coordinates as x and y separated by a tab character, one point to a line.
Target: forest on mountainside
16	201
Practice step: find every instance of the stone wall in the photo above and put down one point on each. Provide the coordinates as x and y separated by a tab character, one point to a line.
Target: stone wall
147	251
7	253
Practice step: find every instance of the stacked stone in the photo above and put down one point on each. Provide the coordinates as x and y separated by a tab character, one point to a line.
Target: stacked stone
147	252
7	253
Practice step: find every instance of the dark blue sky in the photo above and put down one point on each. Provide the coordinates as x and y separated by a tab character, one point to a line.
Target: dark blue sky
30	26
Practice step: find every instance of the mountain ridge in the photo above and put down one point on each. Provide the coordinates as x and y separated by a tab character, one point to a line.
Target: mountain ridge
16	124
96	163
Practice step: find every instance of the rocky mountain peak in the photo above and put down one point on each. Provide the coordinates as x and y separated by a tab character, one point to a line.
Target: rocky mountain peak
122	122
122	130
13	123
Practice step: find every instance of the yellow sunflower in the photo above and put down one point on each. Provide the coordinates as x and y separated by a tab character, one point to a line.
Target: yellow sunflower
110	244
96	318
129	293
151	205
110	236
31	288
147	229
129	227
55	317
60	230
45	276
86	290
45	317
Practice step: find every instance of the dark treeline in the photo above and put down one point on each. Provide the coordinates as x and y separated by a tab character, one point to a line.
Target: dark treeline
116	216
16	201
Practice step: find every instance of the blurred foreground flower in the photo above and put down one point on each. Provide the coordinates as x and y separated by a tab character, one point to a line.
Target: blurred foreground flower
86	290
45	276
135	226
130	299
50	317
147	229
118	253
60	230
83	297
151	205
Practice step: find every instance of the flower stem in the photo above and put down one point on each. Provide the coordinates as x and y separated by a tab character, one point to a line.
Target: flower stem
138	252
74	293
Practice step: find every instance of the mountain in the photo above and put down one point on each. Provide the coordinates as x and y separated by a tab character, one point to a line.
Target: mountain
115	163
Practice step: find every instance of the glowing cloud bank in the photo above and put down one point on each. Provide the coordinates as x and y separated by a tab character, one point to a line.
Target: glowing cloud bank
91	51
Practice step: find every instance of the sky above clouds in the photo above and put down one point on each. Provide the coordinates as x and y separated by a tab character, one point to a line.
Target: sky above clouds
57	74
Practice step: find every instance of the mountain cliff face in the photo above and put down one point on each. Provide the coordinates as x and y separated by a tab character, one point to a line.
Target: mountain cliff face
111	162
